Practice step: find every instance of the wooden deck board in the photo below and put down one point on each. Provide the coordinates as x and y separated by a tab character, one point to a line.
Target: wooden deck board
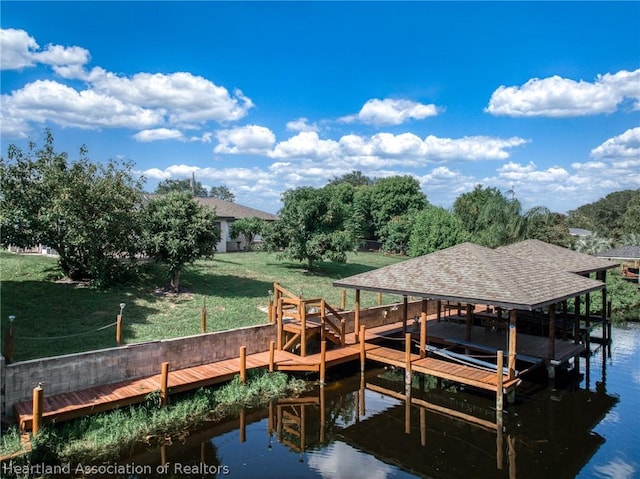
101	398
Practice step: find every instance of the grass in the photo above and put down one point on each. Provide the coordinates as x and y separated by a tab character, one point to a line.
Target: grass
234	286
107	436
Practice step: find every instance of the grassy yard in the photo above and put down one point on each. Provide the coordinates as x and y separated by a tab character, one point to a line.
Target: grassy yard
56	317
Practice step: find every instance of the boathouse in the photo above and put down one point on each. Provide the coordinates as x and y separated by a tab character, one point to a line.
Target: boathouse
485	296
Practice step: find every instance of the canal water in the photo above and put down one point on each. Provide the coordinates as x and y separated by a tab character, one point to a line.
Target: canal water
364	427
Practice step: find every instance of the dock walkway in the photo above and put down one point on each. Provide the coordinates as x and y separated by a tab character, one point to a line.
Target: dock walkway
61	407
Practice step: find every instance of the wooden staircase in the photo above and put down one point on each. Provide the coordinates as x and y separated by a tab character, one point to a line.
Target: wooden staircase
301	320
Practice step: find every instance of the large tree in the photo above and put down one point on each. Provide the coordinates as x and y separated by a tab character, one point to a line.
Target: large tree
434	229
393	197
314	225
355	178
491	218
248	228
182	186
607	216
85	211
222	192
177	231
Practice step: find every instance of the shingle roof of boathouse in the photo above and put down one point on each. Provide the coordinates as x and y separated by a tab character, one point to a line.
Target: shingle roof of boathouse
475	274
622	252
546	254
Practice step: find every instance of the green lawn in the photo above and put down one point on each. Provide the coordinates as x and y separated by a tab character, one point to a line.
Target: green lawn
233	285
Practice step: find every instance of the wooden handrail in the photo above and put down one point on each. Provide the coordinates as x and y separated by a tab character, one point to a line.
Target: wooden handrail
338	329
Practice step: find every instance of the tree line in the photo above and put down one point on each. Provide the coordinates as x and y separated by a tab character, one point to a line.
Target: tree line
100	221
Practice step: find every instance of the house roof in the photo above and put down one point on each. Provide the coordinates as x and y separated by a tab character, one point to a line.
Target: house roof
475	274
580	232
622	252
549	255
227	209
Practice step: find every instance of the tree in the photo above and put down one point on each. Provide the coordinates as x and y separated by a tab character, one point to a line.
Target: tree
85	211
395	234
222	192
313	226
490	217
542	224
247	227
355	178
631	217
177	231
181	186
606	217
393	197
434	229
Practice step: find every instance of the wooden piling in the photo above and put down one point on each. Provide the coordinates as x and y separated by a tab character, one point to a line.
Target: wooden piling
243	426
164	382
270	314
407	414
302	309
37	409
272	347
243	364
279	331
499	379
356	315
323	416
512	343
551	347
468	322
203	318
343	300
119	330
323	358
423	329
565	317
576	320
423	427
363	355
379	299
405	313
407	359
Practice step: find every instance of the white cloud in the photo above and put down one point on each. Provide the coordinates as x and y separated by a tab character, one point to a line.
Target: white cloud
529	173
391	112
302	124
20	50
158	134
186	98
626	145
164	104
561	97
250	139
306	144
48	100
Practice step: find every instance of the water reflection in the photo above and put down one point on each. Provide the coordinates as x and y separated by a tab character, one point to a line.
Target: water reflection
366	426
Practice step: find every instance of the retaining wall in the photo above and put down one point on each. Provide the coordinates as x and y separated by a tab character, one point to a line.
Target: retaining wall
74	372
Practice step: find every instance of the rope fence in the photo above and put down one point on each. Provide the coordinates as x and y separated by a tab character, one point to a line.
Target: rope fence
68	335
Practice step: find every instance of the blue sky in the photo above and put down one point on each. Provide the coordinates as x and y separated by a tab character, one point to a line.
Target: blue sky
541	98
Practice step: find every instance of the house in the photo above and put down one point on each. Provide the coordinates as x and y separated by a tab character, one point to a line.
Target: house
579	232
228	212
629	258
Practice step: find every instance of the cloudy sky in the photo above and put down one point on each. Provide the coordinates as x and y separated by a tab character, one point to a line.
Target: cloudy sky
540	98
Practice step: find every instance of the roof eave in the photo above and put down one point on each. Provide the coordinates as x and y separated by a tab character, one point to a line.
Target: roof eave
472	300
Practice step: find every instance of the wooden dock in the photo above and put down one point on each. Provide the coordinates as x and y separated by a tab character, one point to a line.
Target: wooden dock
71	405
